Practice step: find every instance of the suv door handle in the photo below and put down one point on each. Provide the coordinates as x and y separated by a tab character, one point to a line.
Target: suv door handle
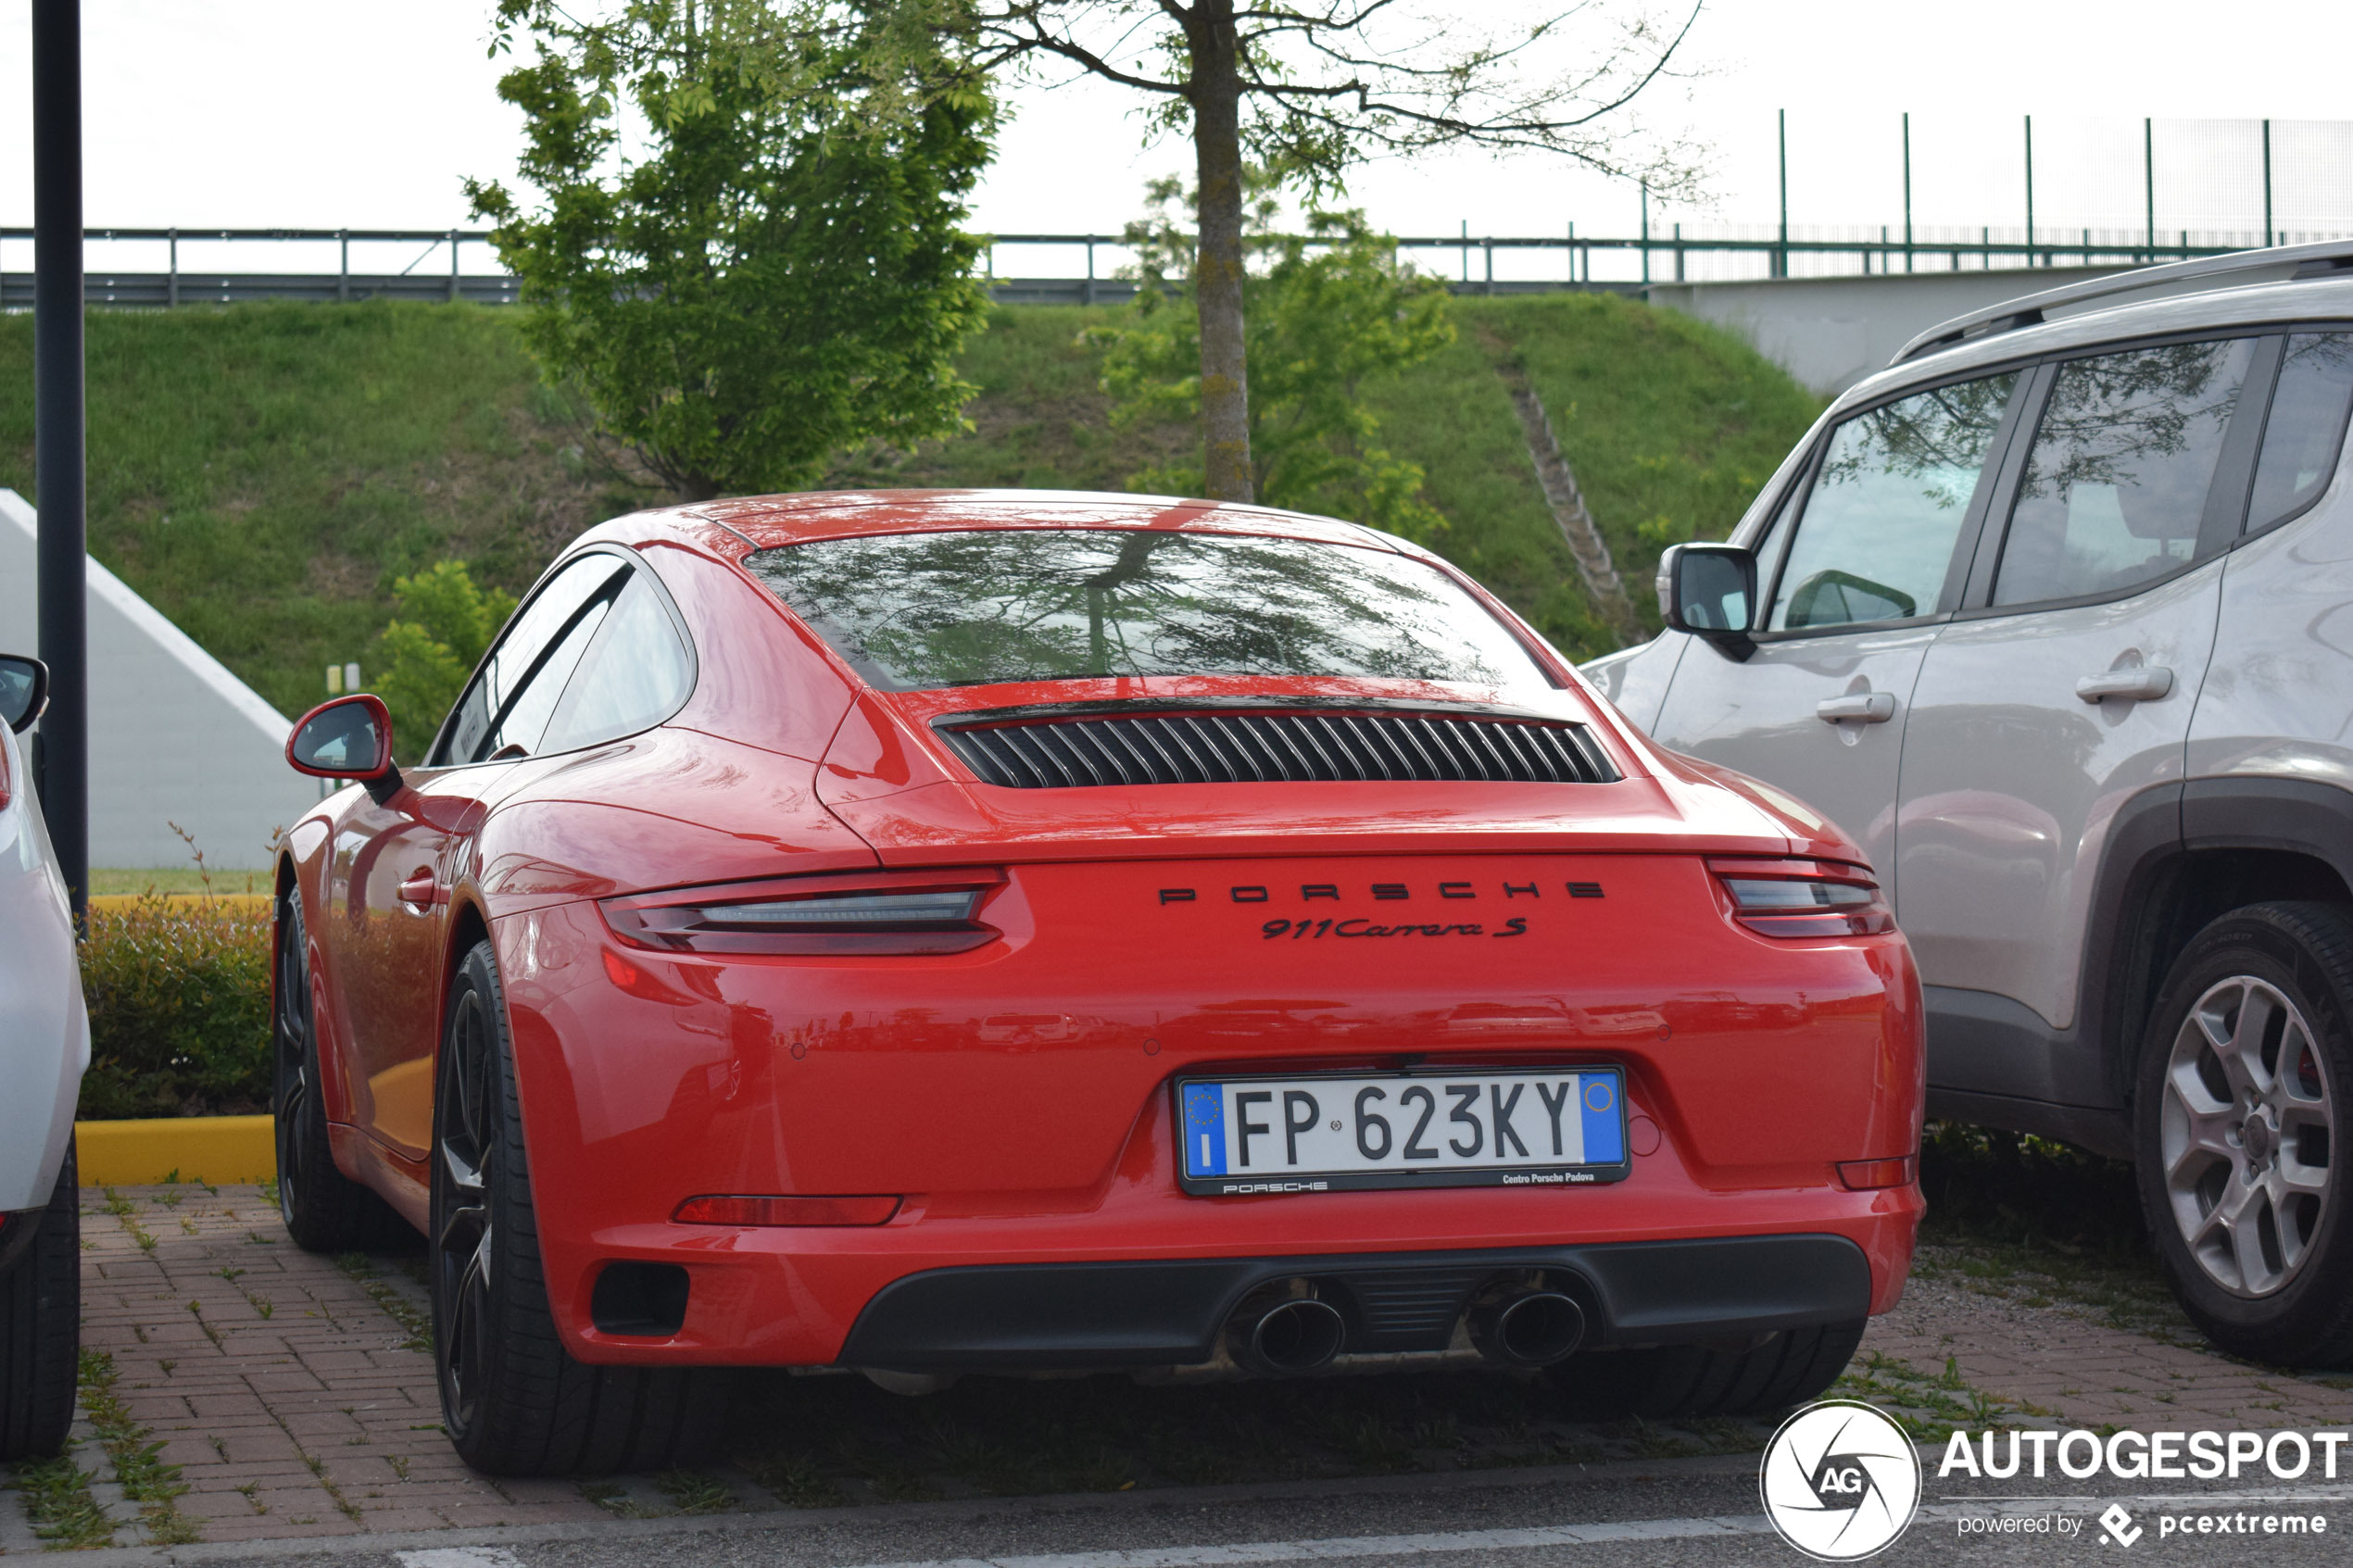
1871	707
2137	683
421	888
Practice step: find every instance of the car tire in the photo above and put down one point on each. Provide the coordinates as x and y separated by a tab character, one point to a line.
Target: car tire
1682	1382
2240	1102
513	1401
40	1329
324	1211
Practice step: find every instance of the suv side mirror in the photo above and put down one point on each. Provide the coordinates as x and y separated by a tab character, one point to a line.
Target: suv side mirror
1710	591
24	690
348	738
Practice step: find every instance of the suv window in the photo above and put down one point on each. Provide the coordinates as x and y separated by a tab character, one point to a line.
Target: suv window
2116	483
1876	539
538	649
632	678
2306	427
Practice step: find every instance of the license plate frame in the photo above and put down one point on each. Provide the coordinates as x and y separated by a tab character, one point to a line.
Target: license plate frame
1192	1119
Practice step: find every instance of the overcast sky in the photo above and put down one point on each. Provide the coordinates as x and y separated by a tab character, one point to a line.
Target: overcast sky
328	113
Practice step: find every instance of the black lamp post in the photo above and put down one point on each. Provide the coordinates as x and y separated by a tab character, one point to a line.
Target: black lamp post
60	483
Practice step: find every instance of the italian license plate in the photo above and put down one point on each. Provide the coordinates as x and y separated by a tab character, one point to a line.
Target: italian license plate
1332	1132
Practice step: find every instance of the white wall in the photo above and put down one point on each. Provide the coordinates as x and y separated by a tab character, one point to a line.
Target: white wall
174	738
1830	332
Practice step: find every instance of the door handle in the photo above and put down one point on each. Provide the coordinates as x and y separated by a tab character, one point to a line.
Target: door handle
420	887
2135	683
1871	707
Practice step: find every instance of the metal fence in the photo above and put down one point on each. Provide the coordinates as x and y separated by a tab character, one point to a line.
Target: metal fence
1530	264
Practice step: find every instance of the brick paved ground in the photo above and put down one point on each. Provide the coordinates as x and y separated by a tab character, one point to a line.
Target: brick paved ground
2071	1366
292	1392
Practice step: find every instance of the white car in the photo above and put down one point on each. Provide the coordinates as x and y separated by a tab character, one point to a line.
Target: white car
45	1046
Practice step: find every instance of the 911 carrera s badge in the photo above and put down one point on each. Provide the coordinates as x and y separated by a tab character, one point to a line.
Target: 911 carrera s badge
1340	927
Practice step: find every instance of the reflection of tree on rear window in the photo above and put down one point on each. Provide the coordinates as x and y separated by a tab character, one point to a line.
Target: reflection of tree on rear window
919	611
2116	485
1877	530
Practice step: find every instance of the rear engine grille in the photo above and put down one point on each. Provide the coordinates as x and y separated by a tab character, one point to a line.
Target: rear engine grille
1222	747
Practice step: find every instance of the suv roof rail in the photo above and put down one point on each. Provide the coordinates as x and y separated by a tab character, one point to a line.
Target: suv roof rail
2328	258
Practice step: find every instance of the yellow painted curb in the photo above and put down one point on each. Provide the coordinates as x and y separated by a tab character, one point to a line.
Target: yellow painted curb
186	1149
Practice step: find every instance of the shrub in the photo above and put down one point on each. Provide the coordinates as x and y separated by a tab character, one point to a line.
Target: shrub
178	996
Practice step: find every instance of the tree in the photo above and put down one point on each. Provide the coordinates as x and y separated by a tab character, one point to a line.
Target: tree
1324	311
1310	86
441	627
745	248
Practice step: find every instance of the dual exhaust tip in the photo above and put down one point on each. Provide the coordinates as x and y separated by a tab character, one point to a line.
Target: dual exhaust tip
1288	1335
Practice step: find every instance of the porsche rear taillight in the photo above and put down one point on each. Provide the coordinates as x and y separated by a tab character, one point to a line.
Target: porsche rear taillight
1792	898
924	912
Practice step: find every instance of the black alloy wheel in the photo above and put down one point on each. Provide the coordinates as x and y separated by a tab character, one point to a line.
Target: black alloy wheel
2239	1111
324	1211
465	1150
513	1400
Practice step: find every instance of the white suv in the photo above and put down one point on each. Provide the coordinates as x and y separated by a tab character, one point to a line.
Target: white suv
2055	616
45	1046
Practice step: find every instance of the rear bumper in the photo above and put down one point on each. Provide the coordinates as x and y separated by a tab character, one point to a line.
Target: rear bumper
1168	1313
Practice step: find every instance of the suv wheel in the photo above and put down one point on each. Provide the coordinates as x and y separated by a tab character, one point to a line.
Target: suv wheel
513	1400
324	1211
40	1329
2238	1112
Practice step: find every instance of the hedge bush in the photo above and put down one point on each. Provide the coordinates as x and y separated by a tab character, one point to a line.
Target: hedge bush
178	996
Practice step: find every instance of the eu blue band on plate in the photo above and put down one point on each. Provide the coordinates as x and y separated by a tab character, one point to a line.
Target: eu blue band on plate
1597	1095
1205	1130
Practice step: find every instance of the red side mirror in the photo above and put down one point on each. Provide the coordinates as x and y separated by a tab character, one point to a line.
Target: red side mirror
349	737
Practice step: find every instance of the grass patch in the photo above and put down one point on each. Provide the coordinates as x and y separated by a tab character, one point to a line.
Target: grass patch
57	1501
262	472
138	1469
2036	1222
415	1324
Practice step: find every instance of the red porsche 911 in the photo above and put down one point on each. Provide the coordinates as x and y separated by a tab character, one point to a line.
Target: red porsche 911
1011	932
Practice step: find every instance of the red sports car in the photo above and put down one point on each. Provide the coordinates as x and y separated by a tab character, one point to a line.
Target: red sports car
1023	932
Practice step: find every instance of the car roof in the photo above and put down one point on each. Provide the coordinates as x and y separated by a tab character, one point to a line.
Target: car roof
769	521
2252	306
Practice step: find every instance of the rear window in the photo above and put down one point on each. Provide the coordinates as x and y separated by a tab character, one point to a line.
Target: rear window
916	611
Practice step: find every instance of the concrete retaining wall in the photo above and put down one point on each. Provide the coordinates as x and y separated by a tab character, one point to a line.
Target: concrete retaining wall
174	738
1830	332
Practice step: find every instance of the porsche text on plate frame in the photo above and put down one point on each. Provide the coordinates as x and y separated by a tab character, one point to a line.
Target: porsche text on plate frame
1340	1132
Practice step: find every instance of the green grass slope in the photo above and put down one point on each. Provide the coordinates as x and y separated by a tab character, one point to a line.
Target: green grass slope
262	473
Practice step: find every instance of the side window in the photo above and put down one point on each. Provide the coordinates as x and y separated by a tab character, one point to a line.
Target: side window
522	648
2306	427
1876	539
632	678
2116	483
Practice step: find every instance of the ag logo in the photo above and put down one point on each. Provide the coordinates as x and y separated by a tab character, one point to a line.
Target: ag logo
1839	1481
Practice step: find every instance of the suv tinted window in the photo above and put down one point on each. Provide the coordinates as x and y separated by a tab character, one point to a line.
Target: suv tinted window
521	651
633	677
1875	541
2306	427
2115	482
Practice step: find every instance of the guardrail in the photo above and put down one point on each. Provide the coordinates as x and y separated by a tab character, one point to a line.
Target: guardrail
1658	257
